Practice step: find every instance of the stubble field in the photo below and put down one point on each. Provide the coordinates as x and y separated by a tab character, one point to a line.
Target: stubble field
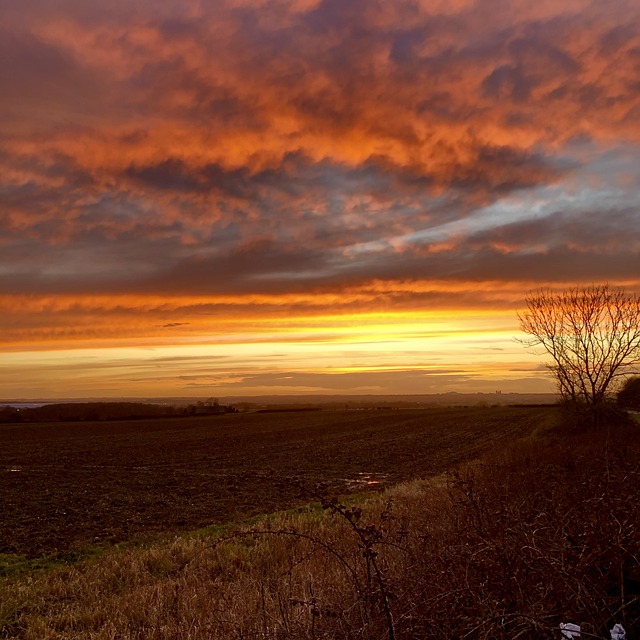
64	486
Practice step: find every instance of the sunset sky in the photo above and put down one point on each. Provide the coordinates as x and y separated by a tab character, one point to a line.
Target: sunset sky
241	197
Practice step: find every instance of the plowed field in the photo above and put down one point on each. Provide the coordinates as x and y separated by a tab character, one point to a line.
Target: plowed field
67	485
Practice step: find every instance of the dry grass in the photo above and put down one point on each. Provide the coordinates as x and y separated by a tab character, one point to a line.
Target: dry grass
507	547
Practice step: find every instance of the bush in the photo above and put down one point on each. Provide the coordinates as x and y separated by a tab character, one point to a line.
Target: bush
629	395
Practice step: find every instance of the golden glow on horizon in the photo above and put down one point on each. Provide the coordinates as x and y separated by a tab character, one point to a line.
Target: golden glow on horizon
274	327
268	344
442	347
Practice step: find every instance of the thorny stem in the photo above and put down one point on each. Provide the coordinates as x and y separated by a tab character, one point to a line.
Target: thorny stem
367	538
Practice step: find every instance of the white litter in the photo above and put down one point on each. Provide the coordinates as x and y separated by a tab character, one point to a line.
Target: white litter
618	632
570	630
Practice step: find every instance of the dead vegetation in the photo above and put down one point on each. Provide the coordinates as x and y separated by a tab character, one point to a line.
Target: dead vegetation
510	546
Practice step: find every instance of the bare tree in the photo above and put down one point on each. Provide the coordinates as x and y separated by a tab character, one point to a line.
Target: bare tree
592	335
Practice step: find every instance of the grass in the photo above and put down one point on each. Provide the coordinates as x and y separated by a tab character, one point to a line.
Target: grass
541	532
12	564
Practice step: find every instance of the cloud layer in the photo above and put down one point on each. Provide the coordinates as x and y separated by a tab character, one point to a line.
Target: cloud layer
251	155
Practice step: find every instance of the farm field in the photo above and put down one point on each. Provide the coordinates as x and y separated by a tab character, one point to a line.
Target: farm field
65	486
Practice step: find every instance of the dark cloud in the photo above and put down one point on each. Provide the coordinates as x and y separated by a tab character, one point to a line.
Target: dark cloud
258	265
619	38
507	81
242	183
42	84
29	63
171	174
587	231
505	169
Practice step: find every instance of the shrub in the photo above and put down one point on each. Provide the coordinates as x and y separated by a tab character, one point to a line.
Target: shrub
629	396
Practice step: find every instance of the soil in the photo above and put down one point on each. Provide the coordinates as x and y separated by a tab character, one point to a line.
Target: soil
66	486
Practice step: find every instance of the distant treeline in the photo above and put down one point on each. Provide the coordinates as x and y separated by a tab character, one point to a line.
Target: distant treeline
288	409
97	411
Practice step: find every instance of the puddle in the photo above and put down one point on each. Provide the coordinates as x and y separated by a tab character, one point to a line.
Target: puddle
363	480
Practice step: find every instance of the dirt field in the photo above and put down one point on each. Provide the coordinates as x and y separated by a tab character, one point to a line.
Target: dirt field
64	486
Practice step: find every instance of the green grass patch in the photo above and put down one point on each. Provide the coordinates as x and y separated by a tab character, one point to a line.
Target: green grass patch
13	564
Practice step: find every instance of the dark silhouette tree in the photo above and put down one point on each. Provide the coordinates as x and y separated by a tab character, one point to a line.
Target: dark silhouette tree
592	335
629	395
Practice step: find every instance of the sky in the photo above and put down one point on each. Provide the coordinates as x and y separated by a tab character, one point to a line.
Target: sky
244	197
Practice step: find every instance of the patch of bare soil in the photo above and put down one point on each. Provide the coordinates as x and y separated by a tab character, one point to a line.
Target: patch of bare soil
64	486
